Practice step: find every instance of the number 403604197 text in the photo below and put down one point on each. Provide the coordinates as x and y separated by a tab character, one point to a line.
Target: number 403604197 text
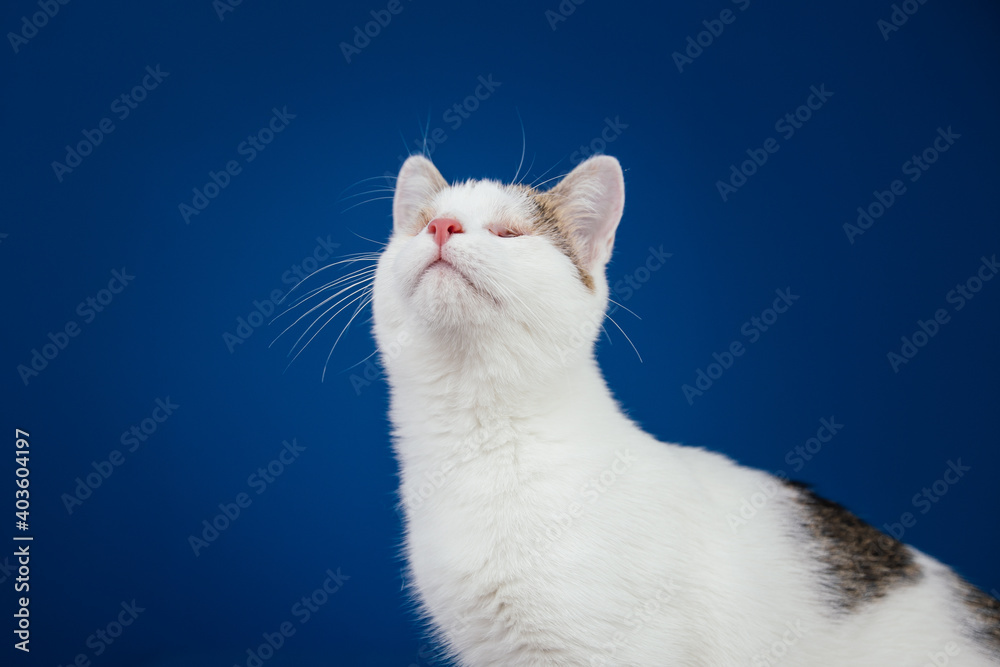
21	494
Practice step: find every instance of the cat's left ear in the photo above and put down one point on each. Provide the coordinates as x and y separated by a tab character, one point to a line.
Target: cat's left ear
588	203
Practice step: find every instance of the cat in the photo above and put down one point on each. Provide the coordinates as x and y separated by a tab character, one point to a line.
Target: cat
544	527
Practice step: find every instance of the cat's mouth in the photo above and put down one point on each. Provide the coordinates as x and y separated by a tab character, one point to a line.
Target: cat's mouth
442	266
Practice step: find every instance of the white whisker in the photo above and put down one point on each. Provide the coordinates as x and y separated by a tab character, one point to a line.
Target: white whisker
316	307
524	145
626	337
365	238
538	185
368	192
305	296
367	201
373	353
331	319
406	146
624	308
363	180
358	280
342	332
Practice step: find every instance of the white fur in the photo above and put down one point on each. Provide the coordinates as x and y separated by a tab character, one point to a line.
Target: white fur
543	527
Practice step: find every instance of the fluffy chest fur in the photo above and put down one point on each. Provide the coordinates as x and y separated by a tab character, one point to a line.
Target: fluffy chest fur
543	527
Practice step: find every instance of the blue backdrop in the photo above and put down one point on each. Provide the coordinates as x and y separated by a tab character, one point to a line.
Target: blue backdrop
170	169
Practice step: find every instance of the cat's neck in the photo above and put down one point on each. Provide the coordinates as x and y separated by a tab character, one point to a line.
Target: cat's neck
472	392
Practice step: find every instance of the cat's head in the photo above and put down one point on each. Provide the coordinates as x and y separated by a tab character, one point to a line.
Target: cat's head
483	265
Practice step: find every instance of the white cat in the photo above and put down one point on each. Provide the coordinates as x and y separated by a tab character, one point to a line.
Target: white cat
543	527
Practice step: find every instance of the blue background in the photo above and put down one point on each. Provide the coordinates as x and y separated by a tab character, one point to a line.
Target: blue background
680	131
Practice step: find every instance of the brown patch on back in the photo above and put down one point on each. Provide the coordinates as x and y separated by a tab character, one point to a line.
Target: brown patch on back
985	610
549	223
863	563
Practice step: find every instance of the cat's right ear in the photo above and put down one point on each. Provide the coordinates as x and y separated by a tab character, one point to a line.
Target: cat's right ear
417	183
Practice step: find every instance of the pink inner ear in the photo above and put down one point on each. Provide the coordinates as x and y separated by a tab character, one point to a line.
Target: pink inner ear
593	196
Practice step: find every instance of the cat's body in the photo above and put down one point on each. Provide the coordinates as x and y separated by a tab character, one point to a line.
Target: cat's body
543	527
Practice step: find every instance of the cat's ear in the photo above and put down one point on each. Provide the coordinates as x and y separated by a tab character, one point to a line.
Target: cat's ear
588	203
418	182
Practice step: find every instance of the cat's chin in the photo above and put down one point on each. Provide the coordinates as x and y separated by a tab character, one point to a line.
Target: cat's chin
444	295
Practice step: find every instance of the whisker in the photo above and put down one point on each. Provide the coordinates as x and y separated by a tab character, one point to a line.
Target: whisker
363	180
358	277
331	319
350	298
546	171
368	192
366	273
624	308
379	243
367	201
316	307
528	170
497	286
524	145
322	268
342	332
538	185
425	130
374	352
406	146
626	337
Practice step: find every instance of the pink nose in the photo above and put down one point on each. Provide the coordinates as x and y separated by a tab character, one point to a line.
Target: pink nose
443	228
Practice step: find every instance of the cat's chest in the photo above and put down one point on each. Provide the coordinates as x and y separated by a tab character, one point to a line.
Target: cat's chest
502	516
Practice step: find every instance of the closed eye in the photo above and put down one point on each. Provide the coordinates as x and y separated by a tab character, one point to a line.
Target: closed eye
505	232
